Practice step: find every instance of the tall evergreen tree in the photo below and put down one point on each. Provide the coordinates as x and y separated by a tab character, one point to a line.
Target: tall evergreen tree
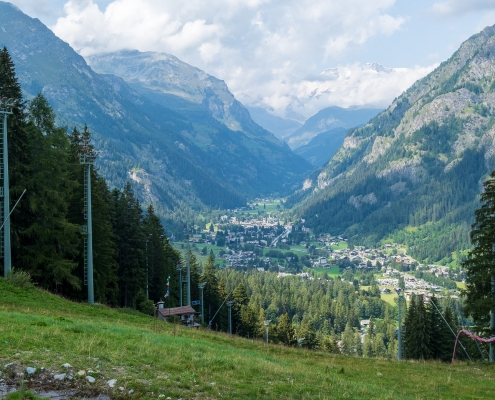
285	330
211	297
480	262
418	335
156	263
131	245
47	243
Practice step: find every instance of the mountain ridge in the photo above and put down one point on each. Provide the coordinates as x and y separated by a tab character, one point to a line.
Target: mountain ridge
175	162
327	119
414	172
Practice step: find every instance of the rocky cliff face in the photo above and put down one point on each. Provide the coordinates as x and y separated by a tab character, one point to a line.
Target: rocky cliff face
436	138
165	74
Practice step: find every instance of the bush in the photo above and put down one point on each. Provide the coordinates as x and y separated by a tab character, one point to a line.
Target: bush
146	307
19	278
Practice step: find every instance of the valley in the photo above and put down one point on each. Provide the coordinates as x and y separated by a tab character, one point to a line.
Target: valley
294	246
259	238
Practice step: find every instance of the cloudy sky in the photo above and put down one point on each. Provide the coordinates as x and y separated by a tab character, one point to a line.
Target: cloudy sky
272	53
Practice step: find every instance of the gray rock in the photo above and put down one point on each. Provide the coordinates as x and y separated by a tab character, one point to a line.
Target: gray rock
59	377
30	370
112	382
66	365
81	373
90	379
130	391
8	365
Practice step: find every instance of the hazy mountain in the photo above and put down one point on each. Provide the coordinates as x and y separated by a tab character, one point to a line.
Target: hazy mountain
211	154
414	172
177	85
327	119
322	147
280	127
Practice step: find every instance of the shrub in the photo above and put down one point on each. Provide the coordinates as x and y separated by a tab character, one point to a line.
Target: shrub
19	278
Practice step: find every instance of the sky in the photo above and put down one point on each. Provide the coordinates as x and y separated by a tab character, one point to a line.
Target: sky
291	57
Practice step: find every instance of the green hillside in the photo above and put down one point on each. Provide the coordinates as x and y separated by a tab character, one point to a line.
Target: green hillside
159	360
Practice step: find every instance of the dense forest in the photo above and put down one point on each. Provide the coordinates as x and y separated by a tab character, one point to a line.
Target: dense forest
131	251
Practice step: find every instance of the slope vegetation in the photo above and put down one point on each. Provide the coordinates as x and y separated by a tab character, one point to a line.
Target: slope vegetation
150	359
414	172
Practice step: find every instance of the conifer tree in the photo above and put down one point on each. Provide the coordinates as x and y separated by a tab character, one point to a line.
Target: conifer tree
47	243
131	245
418	335
480	262
285	330
222	317
211	298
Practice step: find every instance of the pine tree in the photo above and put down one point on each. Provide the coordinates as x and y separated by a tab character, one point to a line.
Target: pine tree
418	335
156	262
285	331
46	242
211	297
409	344
480	262
307	335
131	245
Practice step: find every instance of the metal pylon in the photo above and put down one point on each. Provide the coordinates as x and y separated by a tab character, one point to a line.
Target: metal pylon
87	159
2	214
6	106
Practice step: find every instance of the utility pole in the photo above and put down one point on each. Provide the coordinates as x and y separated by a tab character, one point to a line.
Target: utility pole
492	313
87	158
6	106
188	274
400	293
492	323
188	258
150	236
179	268
201	287
267	324
230	304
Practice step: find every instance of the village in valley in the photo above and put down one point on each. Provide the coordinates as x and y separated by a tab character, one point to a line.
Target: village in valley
258	237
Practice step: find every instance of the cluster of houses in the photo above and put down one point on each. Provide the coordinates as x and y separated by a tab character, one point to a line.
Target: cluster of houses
239	258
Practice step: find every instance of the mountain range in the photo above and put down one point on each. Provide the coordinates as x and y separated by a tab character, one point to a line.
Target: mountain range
181	138
320	136
413	174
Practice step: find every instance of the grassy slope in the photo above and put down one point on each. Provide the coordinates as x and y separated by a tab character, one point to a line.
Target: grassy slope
155	358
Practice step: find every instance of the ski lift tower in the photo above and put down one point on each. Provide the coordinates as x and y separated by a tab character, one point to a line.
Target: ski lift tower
6	106
87	159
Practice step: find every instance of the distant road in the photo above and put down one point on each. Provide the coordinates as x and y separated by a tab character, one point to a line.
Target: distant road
283	235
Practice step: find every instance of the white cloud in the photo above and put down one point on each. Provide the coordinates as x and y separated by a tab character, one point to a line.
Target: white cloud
261	48
351	85
461	7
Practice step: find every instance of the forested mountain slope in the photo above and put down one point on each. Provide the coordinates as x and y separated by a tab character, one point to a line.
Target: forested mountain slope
173	160
322	147
328	119
414	172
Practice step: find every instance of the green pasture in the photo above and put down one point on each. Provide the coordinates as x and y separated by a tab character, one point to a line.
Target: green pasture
155	359
332	272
